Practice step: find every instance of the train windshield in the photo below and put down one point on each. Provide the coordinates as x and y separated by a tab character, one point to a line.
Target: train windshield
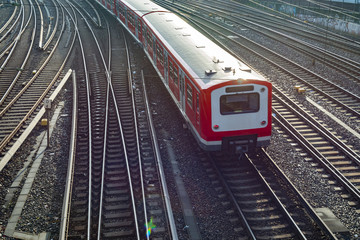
239	103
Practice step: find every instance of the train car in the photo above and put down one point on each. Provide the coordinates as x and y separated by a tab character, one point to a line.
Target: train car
226	104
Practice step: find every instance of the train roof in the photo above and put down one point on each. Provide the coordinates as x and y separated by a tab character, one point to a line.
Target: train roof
208	62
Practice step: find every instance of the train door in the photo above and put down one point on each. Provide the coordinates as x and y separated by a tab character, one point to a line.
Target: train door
182	90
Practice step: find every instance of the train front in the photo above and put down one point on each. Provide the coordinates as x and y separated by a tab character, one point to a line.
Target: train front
240	114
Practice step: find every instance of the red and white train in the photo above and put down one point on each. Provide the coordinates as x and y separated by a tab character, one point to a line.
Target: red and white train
226	104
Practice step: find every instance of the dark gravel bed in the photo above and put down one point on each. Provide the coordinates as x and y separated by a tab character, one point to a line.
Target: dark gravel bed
7	176
42	211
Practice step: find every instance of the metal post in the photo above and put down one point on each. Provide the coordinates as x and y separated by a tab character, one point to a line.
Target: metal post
47	106
48	128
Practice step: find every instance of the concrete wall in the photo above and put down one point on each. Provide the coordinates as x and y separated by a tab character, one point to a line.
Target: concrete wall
331	23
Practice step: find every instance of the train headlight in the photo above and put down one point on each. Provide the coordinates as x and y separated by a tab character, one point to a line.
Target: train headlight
263	123
216	126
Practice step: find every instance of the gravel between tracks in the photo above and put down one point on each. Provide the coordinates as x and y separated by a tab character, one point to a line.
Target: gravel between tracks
42	210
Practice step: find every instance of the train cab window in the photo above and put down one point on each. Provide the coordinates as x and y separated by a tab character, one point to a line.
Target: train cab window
239	103
189	95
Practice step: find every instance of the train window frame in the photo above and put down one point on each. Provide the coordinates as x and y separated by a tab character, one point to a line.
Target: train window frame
173	71
149	38
227	109
176	74
121	9
189	95
160	53
131	19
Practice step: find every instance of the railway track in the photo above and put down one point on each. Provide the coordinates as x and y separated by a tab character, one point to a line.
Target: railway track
8	22
327	150
265	22
123	190
265	203
26	88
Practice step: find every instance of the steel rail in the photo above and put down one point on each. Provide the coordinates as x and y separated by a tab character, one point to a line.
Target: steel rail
169	211
96	12
64	224
233	199
131	89
307	205
317	155
317	126
41	25
105	137
103	160
8	22
6	94
47	43
12	46
107	73
283	209
9	105
89	117
40	99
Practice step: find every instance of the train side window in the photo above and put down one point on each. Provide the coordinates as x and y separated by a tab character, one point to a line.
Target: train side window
131	19
149	39
121	10
160	54
173	72
239	103
171	69
176	75
189	95
139	25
